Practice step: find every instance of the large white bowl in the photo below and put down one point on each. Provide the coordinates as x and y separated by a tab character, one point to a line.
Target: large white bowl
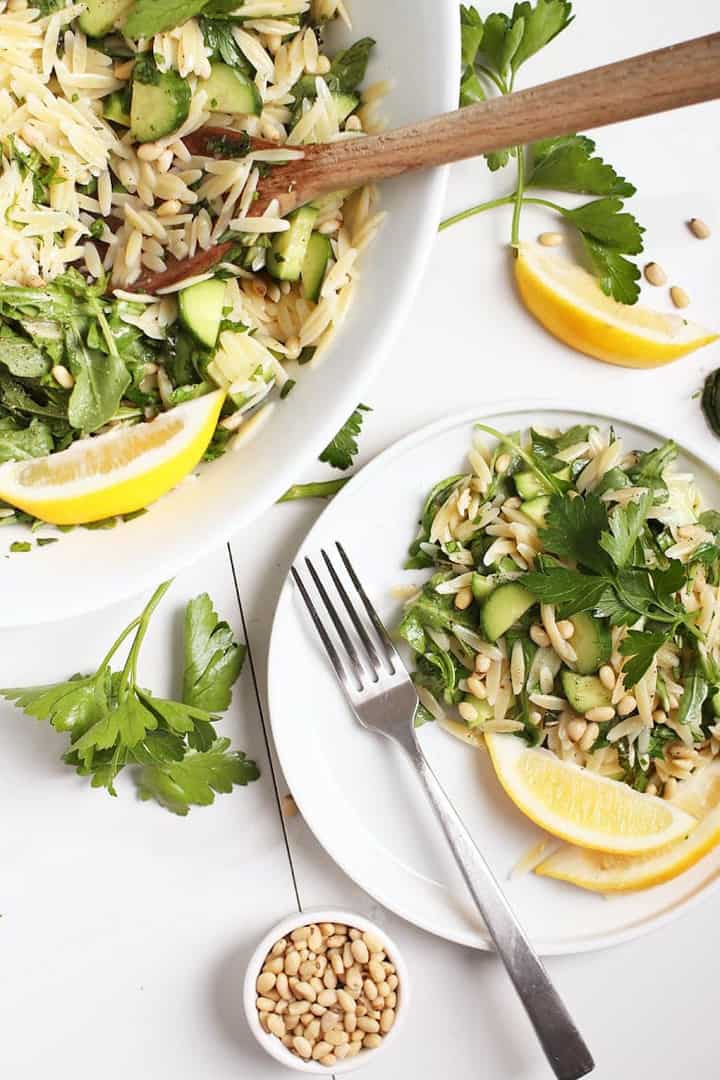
90	569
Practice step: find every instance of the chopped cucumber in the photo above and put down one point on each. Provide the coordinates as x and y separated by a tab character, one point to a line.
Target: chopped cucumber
482	586
529	485
201	309
483	710
231	91
503	608
100	16
506	565
611	481
288	249
116	107
536	509
319	253
160	101
584	692
591	642
345	104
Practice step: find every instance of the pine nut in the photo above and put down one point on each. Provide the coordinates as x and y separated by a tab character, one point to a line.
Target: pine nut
601	714
698	228
265	982
301	934
566	628
669	788
297	1008
590	737
538	636
321	1049
353	978
306	1017
304	990
354	934
502	463
371	1042
312	1031
391	1000
550	239
467	712
576	729
264	1004
328	1021
169	208
362	1009
354	1049
607	677
654	274
370	990
149	151
477	688
336	1037
292	962
329	979
360	952
315	939
276	1025
373	943
317	1010
627	705
275	965
336	962
279	947
302	1046
281	1006
289	807
387	1020
366	1023
63	377
377	971
679	297
350	1022
327	997
336	941
316	984
383	989
345	1001
347	956
264	1020
327	929
341	1052
482	664
340	928
651	789
307	968
281	985
463	599
392	980
357	1037
660	716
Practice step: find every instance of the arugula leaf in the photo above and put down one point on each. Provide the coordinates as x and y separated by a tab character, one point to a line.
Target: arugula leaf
218	38
22	357
566	163
570	590
651	466
349	67
641	646
100	382
213	659
626	526
695	691
573	528
195	780
710	520
150	17
343	448
23	444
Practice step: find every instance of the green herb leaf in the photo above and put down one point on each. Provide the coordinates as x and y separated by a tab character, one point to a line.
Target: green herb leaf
23	444
571	590
218	37
603	220
150	17
471	31
349	67
69	706
213	659
626	526
22	357
695	691
343	448
100	382
324	489
542	22
566	163
618	276
195	780
640	646
573	528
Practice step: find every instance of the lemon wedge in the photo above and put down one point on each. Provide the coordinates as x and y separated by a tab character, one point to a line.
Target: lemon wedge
115	473
568	301
603	873
581	807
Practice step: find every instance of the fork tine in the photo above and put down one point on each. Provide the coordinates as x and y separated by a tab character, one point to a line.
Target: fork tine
352	656
356	620
322	633
391	654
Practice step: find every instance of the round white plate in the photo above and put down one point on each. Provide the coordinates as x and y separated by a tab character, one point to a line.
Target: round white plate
88	570
358	794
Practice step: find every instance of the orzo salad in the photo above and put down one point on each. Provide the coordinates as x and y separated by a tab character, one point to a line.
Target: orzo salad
99	193
574	602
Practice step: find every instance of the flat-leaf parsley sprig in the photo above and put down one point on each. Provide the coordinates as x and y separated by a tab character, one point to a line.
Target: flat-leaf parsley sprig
114	722
493	50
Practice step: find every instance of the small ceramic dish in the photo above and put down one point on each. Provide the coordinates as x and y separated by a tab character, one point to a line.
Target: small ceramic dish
270	1042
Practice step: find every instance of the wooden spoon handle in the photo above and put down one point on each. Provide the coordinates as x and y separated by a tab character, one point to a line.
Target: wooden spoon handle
653	82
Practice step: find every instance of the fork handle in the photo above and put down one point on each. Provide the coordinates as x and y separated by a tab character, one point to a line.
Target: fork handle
560	1039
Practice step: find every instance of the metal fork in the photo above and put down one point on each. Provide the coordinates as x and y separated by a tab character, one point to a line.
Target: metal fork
383	698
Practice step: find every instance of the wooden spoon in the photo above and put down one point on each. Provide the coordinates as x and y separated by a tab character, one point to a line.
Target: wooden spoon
654	82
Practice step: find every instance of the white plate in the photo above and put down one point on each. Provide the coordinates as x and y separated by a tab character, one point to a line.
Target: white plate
87	570
357	793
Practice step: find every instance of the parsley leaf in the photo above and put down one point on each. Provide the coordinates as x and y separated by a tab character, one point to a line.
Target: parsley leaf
626	526
213	659
195	780
570	590
618	276
602	220
343	448
471	30
573	528
541	22
566	163
640	646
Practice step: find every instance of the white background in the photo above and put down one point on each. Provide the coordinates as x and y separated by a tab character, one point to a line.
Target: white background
124	931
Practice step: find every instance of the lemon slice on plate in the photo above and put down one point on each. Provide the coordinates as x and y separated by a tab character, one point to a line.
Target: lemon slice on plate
579	806
604	873
568	301
115	473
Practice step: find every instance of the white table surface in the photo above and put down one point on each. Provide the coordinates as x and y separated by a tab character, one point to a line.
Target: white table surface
124	930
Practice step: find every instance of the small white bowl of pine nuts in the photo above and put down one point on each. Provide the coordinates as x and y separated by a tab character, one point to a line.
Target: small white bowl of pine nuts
325	991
